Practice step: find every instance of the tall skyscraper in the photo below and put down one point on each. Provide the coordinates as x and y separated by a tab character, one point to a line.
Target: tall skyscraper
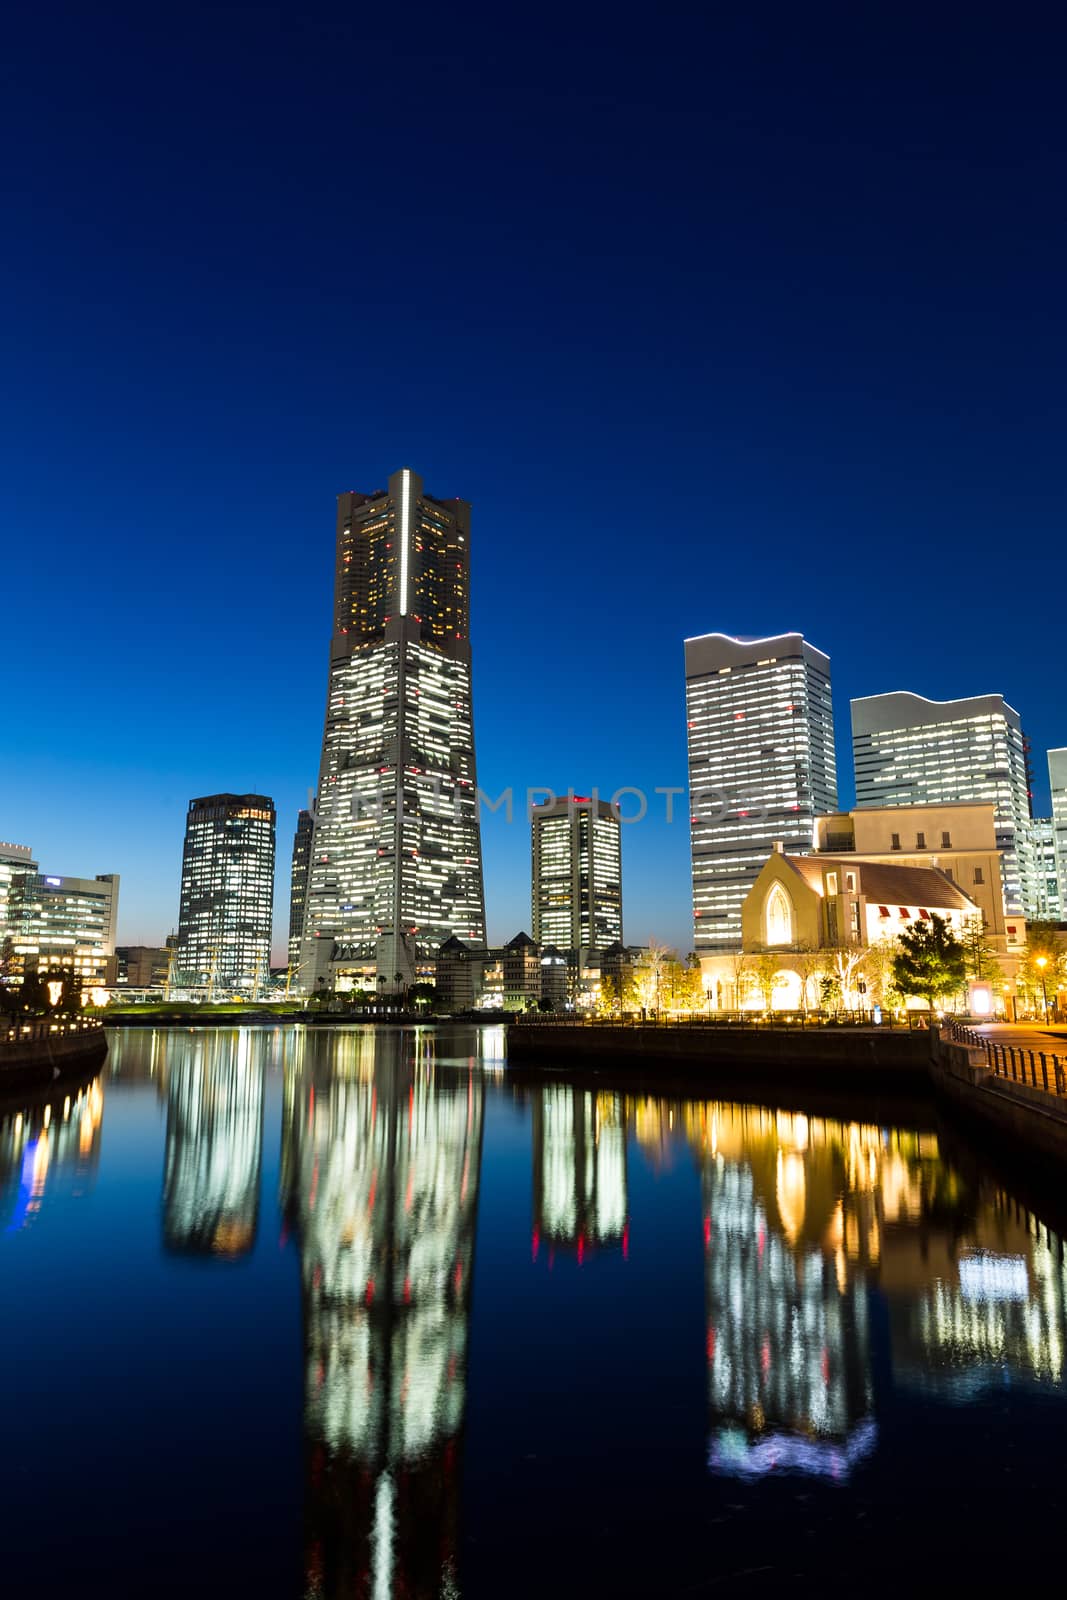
1057	777
912	751
298	888
1046	870
224	921
577	873
396	861
761	766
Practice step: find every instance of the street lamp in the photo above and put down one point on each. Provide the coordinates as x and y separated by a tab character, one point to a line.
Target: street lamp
1041	962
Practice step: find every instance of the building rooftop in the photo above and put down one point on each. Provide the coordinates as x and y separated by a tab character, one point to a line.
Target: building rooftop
887	883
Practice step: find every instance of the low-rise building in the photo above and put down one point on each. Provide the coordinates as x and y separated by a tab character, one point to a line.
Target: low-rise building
812	919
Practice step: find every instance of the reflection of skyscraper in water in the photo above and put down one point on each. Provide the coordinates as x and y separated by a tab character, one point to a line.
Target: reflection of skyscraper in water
214	1142
51	1145
787	1336
579	1161
381	1166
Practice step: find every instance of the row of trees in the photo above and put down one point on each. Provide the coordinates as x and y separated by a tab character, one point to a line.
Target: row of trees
927	961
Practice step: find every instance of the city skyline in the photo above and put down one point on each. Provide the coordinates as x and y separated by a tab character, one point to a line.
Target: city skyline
815	356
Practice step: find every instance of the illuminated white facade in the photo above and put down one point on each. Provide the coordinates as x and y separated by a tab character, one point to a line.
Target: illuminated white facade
761	766
62	923
911	751
396	864
1057	775
576	874
1047	901
227	896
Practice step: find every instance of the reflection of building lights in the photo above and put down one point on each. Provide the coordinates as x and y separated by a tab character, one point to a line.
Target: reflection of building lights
734	1455
989	1277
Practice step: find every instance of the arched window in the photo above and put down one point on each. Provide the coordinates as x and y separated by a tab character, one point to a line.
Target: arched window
778	916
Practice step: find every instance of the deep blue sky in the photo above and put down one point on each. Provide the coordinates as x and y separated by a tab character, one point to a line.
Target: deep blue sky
743	318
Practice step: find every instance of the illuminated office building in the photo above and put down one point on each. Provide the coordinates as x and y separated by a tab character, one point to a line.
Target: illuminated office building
761	766
579	1168
396	861
64	924
381	1162
224	922
214	1143
16	863
298	888
1047	902
1057	775
911	751
577	874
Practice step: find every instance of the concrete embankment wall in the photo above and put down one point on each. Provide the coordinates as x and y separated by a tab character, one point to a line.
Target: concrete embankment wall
1027	1116
39	1061
721	1057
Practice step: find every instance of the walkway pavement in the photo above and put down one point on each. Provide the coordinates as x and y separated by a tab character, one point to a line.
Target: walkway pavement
1025	1036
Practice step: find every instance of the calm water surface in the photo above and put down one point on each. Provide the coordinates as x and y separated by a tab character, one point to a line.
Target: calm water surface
338	1313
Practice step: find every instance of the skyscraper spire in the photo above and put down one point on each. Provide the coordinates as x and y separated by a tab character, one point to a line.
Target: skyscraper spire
396	862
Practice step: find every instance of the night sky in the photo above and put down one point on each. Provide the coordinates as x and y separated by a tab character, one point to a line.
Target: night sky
723	318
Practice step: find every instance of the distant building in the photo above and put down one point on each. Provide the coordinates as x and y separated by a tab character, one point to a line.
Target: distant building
298	887
558	977
460	970
142	966
16	863
959	840
1057	773
522	973
1048	906
912	751
576	873
64	924
224	921
396	862
761	766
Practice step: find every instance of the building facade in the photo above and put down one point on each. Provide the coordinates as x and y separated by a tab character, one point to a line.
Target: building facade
298	888
959	840
396	861
761	766
911	751
16	862
1048	906
1057	777
64	924
576	874
227	894
142	966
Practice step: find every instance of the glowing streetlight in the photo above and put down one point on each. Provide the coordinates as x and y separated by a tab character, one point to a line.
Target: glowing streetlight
1041	962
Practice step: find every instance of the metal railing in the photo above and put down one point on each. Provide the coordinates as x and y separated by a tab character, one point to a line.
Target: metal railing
714	1019
1039	1069
30	1032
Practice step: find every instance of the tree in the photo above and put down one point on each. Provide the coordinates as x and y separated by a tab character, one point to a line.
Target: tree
740	970
650	974
930	961
545	1004
809	963
423	994
766	974
1044	958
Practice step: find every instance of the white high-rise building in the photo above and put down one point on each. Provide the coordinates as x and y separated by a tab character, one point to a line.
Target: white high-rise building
227	898
396	858
1057	777
1047	900
576	873
761	766
909	751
